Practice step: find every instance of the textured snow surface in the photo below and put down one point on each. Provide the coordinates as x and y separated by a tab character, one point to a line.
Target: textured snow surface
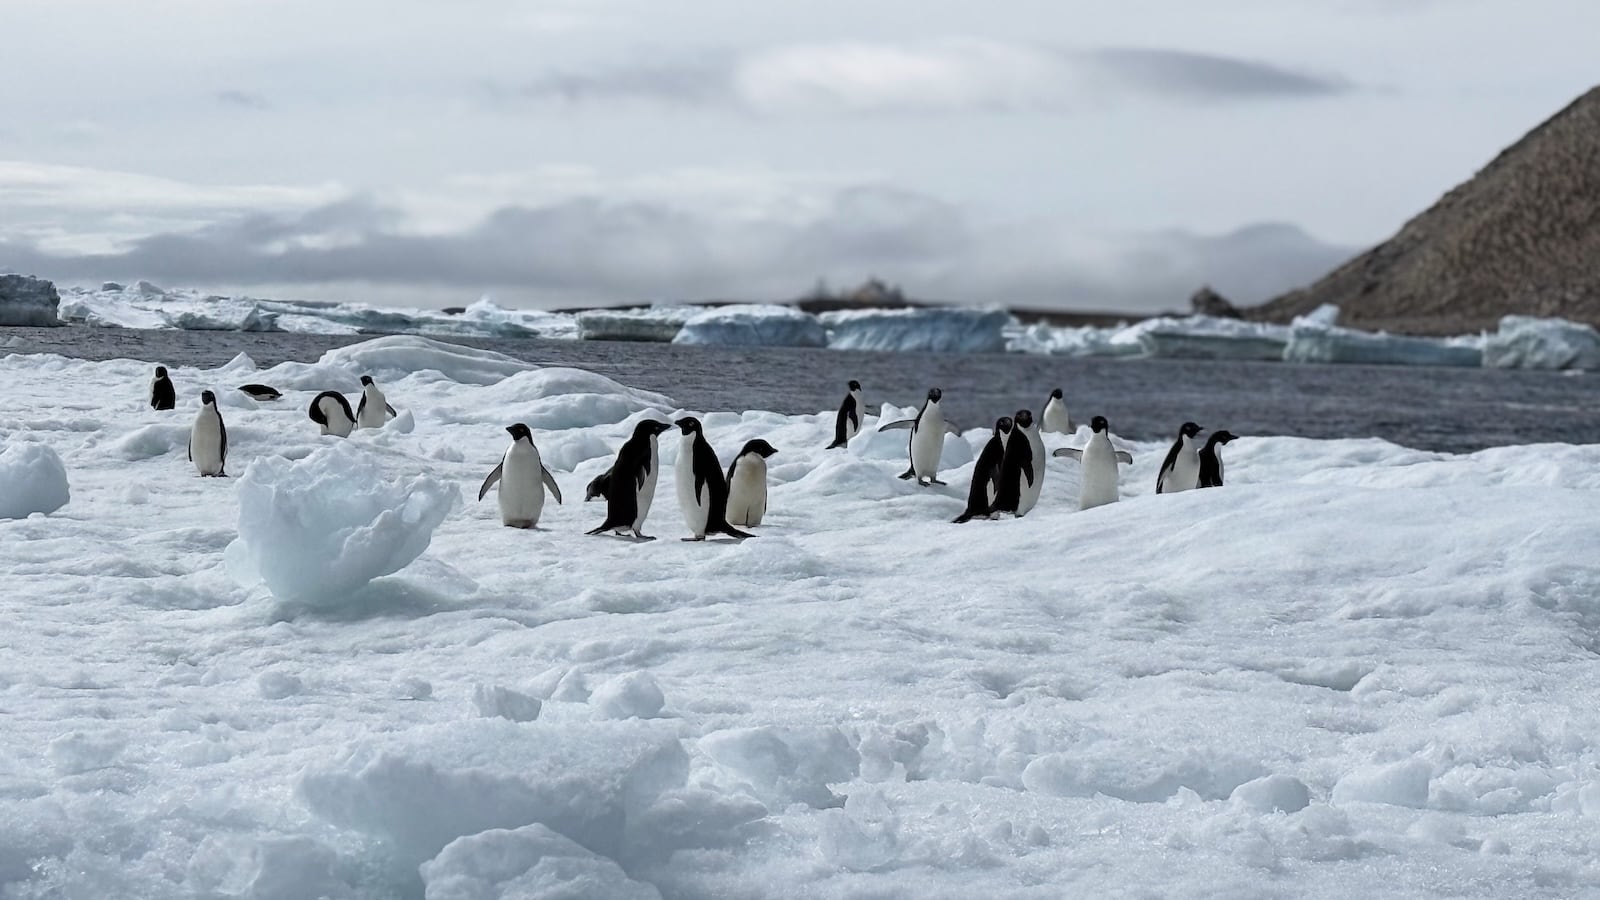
1358	670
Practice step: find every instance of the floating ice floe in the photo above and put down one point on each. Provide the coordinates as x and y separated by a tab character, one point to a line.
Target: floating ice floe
658	324
926	329
751	325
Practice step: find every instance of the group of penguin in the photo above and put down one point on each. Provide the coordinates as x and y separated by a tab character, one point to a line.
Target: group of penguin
1008	476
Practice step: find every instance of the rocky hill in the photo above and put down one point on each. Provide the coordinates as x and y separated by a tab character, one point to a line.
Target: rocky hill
1521	236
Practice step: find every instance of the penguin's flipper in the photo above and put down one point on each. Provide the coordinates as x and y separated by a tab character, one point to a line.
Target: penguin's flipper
1075	453
361	405
903	423
493	477
550	482
392	413
1027	471
1124	456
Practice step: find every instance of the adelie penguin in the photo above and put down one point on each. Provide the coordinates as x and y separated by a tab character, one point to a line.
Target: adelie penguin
747	483
1017	489
702	491
261	392
1100	459
986	474
1054	418
208	439
1180	471
629	486
848	422
162	396
927	439
373	410
523	479
1211	458
332	411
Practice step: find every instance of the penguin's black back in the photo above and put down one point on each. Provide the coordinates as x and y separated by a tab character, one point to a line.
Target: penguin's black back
986	472
1017	461
162	395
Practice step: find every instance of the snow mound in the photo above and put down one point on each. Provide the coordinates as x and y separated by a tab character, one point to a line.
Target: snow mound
928	329
634	695
32	480
318	529
753	325
658	324
1403	783
28	301
527	863
396	356
1315	341
1274	793
780	766
1524	342
556	398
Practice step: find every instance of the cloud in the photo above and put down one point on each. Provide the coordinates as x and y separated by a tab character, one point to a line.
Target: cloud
958	75
242	99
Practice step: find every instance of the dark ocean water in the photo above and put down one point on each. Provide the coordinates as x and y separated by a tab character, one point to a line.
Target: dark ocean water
1426	408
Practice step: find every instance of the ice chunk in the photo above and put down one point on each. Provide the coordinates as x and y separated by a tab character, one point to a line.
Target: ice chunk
494	700
1274	793
753	326
780	766
1313	341
1525	342
317	529
28	301
32	480
1404	783
658	324
932	329
634	695
396	356
528	863
1205	337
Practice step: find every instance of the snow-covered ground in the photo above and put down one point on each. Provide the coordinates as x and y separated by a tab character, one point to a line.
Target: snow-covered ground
1357	670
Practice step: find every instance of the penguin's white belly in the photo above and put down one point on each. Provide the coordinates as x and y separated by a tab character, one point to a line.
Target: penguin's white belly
927	443
1029	494
205	443
376	410
1100	475
337	423
1185	474
1055	418
747	494
696	506
521	487
647	491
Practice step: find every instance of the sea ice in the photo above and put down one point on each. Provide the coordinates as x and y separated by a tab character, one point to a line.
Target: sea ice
752	325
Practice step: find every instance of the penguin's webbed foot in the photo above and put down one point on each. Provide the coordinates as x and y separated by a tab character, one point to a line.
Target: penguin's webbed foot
909	474
694	539
935	481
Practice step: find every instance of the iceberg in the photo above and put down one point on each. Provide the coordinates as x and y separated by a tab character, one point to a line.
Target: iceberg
925	329
1314	341
28	301
658	324
753	325
1207	337
1525	342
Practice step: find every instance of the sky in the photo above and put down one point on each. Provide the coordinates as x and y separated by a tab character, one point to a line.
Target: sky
1039	153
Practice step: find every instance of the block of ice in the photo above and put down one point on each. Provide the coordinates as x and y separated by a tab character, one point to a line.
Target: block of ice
752	325
32	480
652	323
1313	341
930	329
634	695
527	863
780	766
1526	342
28	301
316	530
396	356
1403	783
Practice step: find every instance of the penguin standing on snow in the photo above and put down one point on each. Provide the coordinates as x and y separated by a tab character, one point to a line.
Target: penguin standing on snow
162	396
747	483
702	490
1100	460
1211	458
1018	468
629	486
332	411
851	409
986	474
927	439
374	408
1180	471
1054	417
208	439
1030	490
523	479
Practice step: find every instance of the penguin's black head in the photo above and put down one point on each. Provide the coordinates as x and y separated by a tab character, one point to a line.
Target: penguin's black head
1055	394
208	398
650	428
1002	425
1221	437
689	425
1023	418
1189	429
759	446
1099	424
519	431
366	380
855	385
934	394
161	371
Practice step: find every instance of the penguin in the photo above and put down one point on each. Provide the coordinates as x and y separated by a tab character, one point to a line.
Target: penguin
208	439
630	483
373	410
523	478
162	396
332	411
1055	418
1019	469
1099	460
1031	489
1211	458
848	422
927	439
261	391
1180	471
747	483
702	491
985	474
